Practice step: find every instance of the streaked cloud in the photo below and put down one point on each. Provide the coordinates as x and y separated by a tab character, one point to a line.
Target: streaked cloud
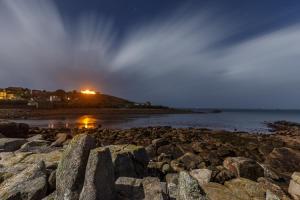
181	59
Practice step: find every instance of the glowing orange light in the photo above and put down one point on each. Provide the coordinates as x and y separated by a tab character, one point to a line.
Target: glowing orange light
87	121
89	92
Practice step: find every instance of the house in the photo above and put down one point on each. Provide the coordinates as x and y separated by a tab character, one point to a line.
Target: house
2	94
54	98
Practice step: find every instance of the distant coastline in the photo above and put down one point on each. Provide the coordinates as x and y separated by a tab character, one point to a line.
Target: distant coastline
24	113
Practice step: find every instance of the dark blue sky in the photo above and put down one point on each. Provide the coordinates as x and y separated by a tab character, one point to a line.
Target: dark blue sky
260	15
193	53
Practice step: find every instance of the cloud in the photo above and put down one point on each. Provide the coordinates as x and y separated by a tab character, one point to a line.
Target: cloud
180	59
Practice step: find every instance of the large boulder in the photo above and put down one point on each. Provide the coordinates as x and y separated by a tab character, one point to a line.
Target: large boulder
11	144
30	184
188	188
129	160
14	130
129	188
71	169
99	179
284	161
244	167
294	187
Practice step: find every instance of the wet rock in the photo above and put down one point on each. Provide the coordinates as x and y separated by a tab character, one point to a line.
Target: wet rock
14	130
153	189
160	142
11	144
203	176
171	150
294	187
99	176
244	167
190	160
30	184
188	188
129	188
71	169
245	189
197	147
129	160
172	185
223	175
151	151
284	160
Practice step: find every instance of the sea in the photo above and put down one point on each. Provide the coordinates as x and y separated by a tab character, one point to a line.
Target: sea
229	119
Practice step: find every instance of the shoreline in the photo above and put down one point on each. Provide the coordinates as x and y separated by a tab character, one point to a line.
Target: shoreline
265	161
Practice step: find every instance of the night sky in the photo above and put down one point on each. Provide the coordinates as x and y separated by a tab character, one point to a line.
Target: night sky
193	53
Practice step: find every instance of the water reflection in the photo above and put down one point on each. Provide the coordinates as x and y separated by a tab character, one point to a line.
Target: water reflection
87	121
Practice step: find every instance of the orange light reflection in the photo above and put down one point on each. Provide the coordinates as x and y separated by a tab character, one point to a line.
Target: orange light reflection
87	121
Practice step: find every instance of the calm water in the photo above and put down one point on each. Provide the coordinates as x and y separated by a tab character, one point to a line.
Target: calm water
242	120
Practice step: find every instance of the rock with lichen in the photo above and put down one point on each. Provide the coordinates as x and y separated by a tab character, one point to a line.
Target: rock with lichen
71	169
30	184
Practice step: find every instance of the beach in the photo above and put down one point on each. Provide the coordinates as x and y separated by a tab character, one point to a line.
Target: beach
220	162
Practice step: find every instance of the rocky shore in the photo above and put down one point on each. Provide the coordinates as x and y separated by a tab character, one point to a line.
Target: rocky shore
149	163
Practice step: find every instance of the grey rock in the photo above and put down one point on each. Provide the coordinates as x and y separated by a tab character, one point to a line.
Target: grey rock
11	144
188	188
30	184
129	188
99	176
35	137
153	189
37	146
203	176
129	160
71	169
